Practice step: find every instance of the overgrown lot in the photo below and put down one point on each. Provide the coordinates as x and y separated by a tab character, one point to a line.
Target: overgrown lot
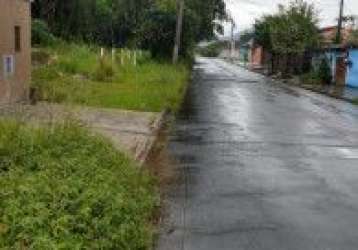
63	188
75	74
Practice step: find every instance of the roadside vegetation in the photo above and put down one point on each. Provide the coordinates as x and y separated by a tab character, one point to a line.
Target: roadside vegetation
64	188
317	76
76	74
144	24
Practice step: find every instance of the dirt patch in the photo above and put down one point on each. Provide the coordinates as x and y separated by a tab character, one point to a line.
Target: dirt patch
159	161
163	167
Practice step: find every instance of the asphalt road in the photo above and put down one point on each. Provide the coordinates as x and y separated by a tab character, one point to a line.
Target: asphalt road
262	166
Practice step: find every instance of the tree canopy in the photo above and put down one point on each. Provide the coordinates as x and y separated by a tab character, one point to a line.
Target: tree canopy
288	34
134	23
291	31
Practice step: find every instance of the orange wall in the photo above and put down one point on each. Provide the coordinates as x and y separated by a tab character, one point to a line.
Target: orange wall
257	55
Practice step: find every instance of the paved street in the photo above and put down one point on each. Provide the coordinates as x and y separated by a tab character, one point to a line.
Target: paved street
261	166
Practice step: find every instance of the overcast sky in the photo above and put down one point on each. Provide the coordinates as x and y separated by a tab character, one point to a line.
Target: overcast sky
246	11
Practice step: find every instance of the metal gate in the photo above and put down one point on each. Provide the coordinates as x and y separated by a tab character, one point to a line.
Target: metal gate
352	72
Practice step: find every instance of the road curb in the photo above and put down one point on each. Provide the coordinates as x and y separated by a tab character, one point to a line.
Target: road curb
143	153
290	83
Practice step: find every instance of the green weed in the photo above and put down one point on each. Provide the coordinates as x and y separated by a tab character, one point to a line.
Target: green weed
63	188
77	76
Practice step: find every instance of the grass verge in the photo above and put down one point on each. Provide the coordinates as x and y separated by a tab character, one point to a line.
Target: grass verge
76	75
355	101
63	188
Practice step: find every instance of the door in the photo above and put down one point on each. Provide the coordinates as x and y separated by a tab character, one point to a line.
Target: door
352	73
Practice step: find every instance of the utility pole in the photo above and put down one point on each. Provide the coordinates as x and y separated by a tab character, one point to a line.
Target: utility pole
179	28
232	38
340	22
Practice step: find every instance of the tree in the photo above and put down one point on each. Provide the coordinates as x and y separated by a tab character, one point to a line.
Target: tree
130	23
289	33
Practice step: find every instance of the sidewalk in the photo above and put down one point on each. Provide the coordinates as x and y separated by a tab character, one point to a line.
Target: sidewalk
131	132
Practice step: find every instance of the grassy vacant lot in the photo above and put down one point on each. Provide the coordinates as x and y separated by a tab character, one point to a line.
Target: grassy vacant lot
62	188
355	101
76	75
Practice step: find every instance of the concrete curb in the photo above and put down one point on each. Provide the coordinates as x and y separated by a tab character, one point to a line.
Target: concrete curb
144	151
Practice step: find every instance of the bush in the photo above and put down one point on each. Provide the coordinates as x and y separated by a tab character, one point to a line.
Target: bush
311	78
322	75
324	72
76	59
104	71
62	188
41	34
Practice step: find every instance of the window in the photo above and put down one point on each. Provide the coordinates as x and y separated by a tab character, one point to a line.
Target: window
17	38
9	66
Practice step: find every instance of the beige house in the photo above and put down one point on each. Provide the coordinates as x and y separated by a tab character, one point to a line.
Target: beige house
15	50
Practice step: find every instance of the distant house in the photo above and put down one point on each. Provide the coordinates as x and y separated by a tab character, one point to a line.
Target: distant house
15	50
252	54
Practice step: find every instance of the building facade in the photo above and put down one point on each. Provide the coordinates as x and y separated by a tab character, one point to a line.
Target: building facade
342	58
15	50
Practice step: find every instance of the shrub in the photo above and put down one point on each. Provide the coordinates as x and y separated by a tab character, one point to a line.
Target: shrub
311	78
104	71
63	188
76	59
41	34
321	75
324	72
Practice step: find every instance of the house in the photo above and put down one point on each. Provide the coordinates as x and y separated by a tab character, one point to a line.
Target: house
329	34
252	54
342	58
15	50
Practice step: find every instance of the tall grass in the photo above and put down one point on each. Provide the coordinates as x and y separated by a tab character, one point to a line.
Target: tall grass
62	188
77	75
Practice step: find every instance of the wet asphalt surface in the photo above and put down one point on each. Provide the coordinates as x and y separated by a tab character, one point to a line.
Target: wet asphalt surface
261	166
